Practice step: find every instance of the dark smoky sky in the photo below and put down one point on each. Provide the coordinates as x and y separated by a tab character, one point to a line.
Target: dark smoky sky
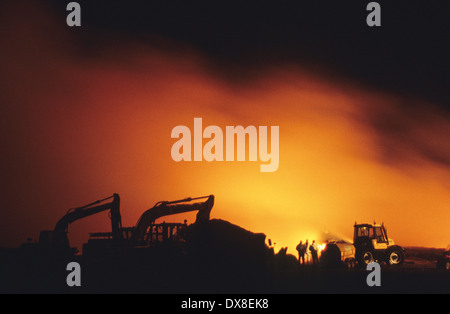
407	55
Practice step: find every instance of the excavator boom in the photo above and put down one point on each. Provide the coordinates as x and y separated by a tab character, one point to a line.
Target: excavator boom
59	233
171	208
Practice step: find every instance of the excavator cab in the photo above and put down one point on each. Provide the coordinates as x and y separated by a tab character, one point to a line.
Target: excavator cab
46	238
47	244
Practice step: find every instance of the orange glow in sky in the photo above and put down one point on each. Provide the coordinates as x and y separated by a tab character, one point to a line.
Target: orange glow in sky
81	129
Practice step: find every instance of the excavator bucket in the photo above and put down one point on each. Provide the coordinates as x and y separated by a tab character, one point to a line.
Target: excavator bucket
205	213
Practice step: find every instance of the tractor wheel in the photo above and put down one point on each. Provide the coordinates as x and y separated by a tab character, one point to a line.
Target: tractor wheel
395	256
366	257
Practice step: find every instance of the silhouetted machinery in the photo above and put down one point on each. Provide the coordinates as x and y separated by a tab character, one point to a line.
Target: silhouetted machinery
147	232
370	244
338	253
146	222
56	242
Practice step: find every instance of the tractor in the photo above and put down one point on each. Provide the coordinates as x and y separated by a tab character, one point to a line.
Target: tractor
373	245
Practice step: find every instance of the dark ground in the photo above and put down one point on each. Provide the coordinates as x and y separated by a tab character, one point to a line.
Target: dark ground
217	258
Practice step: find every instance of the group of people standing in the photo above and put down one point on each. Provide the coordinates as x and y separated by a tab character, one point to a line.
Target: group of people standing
305	251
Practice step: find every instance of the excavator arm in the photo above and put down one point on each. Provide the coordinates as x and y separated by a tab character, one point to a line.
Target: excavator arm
171	208
60	239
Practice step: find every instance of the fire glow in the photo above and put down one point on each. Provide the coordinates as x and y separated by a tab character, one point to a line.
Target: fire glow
90	126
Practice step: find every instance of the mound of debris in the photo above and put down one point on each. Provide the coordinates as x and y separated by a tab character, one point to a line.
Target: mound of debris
223	251
225	242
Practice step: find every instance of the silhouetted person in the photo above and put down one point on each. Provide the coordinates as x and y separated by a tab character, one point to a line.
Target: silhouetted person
313	248
307	251
301	252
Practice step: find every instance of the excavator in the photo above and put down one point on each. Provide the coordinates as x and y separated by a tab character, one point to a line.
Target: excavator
146	232
56	242
165	208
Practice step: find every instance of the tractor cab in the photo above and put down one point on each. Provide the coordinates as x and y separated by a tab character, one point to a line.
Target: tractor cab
374	234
